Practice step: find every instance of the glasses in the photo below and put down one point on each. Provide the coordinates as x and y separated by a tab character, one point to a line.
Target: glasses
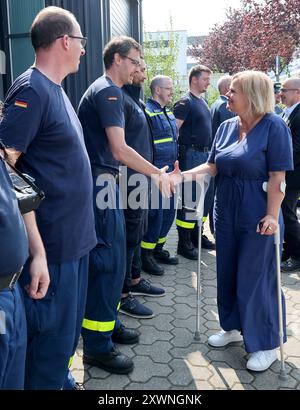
167	88
83	40
133	60
285	90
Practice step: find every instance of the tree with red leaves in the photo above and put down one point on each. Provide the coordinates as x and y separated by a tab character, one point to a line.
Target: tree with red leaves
252	36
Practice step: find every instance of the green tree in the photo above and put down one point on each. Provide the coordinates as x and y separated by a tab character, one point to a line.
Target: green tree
161	57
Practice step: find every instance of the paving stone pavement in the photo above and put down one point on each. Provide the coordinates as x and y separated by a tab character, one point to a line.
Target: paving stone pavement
167	356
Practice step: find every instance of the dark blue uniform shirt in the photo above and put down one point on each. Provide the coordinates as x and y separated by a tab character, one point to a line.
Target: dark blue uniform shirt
137	132
13	238
196	128
40	121
102	106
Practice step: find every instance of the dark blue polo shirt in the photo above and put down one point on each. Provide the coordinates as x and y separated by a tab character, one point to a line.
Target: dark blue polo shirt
102	106
13	238
196	115
40	121
137	131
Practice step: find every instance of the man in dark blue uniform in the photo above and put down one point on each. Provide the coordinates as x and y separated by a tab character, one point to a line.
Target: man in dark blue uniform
195	139
101	112
14	252
138	137
164	138
45	135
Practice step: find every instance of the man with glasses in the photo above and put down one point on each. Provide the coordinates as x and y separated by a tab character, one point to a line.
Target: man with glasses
290	96
164	139
46	140
101	112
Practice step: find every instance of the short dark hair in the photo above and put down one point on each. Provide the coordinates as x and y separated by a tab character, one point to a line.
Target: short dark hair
121	45
49	24
197	70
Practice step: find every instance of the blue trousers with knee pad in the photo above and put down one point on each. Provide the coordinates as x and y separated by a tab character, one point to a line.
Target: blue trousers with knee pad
106	273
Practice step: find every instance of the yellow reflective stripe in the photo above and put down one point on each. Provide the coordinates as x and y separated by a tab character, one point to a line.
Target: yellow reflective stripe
170	113
163	140
153	114
147	245
118	307
187	225
98	326
204	219
162	240
70	361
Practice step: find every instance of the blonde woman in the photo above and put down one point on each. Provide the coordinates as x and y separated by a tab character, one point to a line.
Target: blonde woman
248	150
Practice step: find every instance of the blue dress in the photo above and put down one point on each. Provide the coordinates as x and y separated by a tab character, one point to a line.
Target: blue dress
246	264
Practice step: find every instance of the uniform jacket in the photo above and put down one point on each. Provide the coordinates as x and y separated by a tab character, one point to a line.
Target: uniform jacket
164	133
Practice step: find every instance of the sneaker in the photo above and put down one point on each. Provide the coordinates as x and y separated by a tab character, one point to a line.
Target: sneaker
130	306
261	360
145	288
290	265
125	336
224	338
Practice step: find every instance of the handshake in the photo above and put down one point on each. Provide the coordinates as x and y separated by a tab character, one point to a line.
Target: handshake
167	182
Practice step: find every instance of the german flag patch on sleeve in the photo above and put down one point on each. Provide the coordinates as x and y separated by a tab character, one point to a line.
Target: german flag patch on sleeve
21	104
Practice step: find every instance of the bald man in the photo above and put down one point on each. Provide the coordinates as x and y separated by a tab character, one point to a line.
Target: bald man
219	111
290	96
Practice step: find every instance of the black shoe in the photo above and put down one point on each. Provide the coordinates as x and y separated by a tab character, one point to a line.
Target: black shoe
185	246
149	264
113	361
207	244
290	265
125	336
78	386
163	256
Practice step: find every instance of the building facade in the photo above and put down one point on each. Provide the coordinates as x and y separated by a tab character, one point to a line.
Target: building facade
100	20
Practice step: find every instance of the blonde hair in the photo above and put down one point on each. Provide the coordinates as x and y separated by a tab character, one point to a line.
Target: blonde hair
258	89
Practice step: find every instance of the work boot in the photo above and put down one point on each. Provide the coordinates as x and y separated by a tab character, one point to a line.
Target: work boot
113	361
125	336
164	256
205	242
149	264
185	246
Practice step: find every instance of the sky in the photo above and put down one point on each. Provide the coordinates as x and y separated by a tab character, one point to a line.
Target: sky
195	16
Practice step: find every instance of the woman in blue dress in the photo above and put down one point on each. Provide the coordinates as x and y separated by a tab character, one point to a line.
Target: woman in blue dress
248	150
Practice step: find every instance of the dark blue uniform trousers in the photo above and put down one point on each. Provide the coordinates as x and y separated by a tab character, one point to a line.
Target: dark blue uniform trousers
54	324
246	268
136	225
106	272
13	338
159	221
188	159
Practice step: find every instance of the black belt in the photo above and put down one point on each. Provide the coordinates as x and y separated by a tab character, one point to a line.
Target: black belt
96	171
9	281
